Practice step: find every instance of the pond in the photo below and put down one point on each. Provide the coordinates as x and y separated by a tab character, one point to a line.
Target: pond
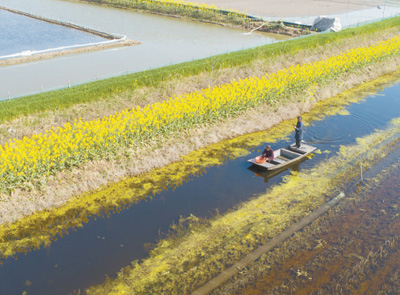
165	41
103	246
20	33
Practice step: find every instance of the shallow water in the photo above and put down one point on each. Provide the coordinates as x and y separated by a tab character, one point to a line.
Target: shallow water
103	246
19	33
165	41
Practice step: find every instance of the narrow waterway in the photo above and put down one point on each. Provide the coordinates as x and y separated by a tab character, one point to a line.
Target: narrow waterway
165	40
103	246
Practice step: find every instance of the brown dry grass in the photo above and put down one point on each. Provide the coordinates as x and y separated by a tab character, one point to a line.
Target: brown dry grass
59	188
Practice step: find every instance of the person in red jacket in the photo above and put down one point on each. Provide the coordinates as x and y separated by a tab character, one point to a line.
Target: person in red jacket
266	156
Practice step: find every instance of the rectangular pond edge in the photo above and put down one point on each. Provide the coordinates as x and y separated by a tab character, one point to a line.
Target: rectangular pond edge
65	24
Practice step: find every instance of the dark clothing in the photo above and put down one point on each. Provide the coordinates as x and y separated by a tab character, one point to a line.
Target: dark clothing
299	130
299	133
268	154
298	143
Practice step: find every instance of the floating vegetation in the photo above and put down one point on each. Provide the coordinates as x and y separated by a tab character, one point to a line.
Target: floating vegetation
61	148
178	266
40	228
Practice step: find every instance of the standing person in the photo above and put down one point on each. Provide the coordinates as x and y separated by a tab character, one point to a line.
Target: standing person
266	156
299	131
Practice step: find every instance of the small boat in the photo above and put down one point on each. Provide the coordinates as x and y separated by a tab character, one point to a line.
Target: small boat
286	156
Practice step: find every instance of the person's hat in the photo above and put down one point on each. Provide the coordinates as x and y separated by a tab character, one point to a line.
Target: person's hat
299	117
268	146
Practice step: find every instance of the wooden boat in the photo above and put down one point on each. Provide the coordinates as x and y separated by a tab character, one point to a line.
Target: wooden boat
286	156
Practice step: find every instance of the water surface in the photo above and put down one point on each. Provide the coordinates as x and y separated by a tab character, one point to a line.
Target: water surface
20	33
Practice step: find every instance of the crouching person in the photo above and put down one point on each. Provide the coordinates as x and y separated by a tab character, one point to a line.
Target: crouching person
266	156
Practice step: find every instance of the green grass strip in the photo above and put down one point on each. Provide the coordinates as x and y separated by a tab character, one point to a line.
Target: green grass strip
106	89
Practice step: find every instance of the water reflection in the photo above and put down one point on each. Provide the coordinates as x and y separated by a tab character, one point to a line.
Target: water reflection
268	174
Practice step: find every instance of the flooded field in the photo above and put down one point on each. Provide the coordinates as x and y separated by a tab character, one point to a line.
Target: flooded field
81	258
19	33
165	41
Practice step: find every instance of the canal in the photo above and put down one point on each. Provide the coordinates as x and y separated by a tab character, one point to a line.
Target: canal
104	245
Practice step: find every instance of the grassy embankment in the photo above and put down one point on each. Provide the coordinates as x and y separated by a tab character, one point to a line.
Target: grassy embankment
72	145
109	89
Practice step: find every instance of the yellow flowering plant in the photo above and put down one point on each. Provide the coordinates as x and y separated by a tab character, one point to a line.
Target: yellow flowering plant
23	160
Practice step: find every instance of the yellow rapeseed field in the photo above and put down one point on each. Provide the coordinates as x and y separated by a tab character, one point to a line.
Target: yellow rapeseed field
74	143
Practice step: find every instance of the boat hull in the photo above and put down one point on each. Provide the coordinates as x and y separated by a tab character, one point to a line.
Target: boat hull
286	156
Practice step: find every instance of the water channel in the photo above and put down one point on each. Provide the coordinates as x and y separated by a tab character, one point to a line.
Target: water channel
103	246
165	41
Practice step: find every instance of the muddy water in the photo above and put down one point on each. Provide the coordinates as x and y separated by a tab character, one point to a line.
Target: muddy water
103	246
165	41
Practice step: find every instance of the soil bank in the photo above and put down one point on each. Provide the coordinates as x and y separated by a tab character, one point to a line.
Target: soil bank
40	56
